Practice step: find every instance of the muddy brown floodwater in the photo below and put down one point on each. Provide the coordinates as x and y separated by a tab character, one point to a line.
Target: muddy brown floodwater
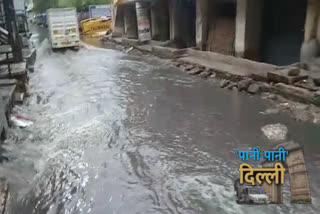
115	133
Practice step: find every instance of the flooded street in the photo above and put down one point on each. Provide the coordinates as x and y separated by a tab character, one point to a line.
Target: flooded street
116	133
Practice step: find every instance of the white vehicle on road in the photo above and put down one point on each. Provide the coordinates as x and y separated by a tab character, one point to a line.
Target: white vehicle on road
63	28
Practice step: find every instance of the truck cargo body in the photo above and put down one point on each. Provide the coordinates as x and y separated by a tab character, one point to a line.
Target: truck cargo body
96	11
63	28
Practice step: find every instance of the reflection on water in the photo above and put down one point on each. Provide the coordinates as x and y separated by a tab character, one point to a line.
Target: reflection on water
123	134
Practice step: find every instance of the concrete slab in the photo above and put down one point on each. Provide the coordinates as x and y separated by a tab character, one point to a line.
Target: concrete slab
117	39
5	49
229	65
130	42
147	48
296	93
167	53
18	70
3	70
283	76
4	60
7	82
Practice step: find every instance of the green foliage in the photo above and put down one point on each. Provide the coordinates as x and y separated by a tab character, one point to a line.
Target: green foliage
43	5
302	201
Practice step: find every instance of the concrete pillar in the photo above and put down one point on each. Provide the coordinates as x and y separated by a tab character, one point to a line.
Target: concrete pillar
155	22
118	21
248	29
130	21
160	20
241	21
310	47
202	24
253	29
312	20
173	19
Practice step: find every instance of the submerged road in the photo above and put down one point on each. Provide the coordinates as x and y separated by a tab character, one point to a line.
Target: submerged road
124	134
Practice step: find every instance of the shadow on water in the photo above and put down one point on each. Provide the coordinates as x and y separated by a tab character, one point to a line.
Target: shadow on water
128	134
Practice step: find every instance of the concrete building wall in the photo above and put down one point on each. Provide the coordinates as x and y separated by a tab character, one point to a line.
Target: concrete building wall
130	21
270	31
160	20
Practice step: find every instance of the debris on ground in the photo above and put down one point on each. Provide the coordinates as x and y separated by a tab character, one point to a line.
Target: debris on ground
189	67
253	88
205	74
294	72
20	120
19	97
128	50
224	83
271	111
244	84
195	71
275	132
232	86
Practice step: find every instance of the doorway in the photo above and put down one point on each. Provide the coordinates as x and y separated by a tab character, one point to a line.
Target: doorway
282	31
222	25
160	20
185	23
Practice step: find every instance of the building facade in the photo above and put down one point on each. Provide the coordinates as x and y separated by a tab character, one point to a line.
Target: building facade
270	31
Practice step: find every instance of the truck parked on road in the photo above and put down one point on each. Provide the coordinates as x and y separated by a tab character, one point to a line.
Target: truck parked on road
63	28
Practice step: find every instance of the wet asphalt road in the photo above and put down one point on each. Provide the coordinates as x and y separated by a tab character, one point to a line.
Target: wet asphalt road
115	133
